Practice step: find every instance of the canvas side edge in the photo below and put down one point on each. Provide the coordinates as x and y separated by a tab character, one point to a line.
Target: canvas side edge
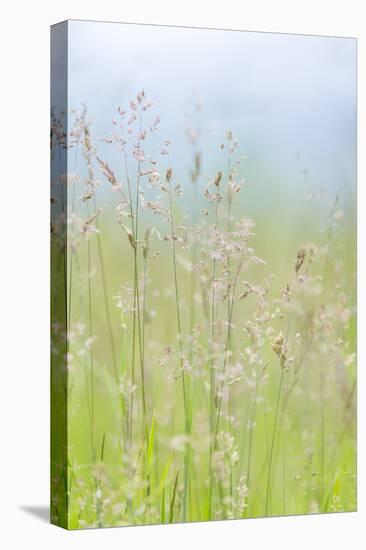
59	483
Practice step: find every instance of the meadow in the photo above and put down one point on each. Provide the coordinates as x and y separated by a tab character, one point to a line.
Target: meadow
208	350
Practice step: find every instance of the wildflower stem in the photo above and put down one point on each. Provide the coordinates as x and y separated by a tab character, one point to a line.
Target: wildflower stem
273	440
91	358
133	350
185	408
226	352
106	301
251	434
137	293
212	368
71	251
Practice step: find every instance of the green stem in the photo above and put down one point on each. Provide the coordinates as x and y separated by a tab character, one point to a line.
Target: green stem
137	294
227	346
212	370
251	435
185	406
274	431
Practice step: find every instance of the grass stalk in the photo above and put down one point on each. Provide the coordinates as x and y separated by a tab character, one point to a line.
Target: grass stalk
273	441
212	367
251	435
180	345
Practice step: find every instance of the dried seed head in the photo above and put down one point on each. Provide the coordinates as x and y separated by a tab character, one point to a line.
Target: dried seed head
169	175
140	96
197	168
301	255
145	248
130	236
278	343
197	162
280	348
218	179
107	171
245	294
88	225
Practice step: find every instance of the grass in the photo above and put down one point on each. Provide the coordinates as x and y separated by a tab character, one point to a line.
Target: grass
210	357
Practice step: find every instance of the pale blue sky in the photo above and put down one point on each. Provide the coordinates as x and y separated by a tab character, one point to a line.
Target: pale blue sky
280	94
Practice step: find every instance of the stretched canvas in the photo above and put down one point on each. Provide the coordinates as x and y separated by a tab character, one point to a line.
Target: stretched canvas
203	258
